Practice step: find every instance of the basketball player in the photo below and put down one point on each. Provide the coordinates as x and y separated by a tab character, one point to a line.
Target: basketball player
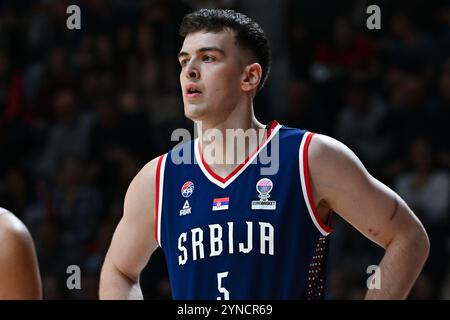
229	231
19	271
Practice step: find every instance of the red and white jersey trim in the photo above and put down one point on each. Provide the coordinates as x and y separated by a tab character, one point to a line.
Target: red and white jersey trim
306	186
159	196
224	182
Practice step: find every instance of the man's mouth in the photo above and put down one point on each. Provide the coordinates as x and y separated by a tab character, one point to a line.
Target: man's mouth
192	92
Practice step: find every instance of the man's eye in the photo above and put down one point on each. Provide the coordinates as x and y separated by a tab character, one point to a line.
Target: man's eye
208	58
183	62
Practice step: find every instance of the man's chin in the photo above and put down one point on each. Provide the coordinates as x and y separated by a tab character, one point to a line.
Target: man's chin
194	113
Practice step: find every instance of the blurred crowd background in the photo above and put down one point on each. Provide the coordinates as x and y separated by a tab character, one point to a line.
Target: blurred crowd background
81	111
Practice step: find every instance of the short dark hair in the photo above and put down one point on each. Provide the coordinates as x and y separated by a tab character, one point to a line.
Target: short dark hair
248	33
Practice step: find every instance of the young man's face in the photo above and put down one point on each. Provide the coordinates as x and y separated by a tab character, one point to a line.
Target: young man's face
212	67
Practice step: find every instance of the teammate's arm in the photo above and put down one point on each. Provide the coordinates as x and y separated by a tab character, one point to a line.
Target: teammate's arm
19	271
133	241
340	182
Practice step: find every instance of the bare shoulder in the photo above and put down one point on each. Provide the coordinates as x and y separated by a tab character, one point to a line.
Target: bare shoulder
19	271
148	172
132	234
325	150
12	229
141	193
330	158
140	198
335	170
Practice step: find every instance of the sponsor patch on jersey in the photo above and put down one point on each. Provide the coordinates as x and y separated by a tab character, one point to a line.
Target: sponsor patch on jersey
264	186
186	209
220	203
187	189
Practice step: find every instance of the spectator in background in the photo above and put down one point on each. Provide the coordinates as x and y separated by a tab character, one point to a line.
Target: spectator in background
426	189
301	50
408	46
359	125
78	210
55	72
441	115
346	53
408	115
68	136
106	139
18	193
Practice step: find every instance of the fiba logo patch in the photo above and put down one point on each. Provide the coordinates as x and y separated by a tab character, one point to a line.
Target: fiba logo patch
264	187
187	189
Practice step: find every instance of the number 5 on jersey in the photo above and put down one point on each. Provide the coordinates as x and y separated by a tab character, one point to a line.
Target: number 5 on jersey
226	294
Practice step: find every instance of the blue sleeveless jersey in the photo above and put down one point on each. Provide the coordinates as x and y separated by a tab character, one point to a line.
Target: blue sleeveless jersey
252	235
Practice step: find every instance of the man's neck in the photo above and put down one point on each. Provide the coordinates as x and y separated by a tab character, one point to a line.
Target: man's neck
226	143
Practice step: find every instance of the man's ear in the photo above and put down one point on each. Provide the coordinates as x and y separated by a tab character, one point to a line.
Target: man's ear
251	77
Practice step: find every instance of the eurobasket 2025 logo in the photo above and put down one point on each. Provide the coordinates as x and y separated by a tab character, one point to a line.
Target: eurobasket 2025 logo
187	189
264	187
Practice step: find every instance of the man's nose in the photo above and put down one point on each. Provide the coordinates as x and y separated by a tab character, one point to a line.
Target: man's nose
192	72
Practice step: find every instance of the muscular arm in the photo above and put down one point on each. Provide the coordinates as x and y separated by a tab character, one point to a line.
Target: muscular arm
341	182
133	241
19	271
